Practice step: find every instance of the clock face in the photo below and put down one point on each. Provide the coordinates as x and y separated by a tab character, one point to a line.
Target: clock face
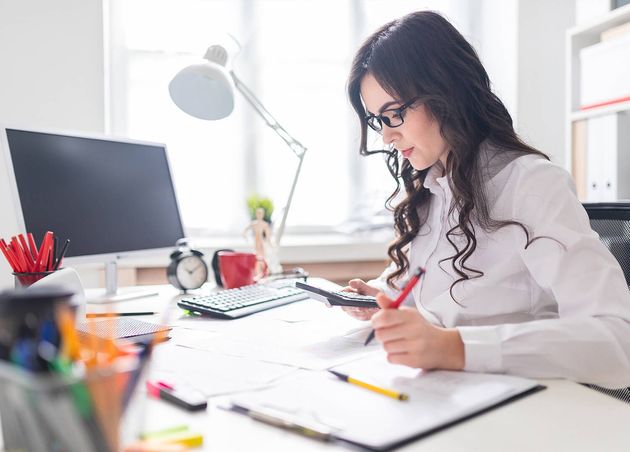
192	272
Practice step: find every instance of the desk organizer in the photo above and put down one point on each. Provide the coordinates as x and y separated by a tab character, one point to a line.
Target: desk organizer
48	412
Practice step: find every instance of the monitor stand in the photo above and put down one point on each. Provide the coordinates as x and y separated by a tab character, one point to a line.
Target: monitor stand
112	294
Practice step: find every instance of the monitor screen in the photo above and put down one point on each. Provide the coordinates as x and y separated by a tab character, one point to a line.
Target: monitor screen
107	196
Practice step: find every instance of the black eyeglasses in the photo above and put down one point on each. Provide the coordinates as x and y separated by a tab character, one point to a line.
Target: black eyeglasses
391	118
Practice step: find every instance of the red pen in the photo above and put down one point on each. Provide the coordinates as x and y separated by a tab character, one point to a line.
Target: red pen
6	252
397	302
15	257
31	243
26	251
43	250
17	251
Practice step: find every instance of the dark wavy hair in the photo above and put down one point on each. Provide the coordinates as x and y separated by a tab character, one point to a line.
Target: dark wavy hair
422	55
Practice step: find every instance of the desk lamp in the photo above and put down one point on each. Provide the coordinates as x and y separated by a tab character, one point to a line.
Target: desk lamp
206	91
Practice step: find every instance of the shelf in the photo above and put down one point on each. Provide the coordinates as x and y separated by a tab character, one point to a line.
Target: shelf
600	111
578	38
611	159
616	17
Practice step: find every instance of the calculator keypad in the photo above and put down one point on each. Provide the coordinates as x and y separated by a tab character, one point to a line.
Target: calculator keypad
354	296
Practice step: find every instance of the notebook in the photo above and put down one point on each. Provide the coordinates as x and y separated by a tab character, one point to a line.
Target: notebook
121	328
373	421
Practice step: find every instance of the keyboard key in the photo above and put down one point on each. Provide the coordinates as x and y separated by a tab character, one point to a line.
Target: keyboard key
234	303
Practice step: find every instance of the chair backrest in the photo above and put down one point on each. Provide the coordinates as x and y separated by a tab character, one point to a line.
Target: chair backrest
612	222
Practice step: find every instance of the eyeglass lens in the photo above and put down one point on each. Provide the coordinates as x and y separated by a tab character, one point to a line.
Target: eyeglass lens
391	118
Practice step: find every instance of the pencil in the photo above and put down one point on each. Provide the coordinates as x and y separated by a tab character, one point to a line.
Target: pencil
61	254
92	315
386	392
410	284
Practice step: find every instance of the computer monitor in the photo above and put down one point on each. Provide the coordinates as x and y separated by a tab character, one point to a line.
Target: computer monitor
112	198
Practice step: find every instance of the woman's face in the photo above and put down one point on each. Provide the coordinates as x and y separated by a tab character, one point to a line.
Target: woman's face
418	139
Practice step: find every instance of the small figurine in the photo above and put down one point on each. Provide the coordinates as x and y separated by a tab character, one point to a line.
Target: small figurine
262	240
261	231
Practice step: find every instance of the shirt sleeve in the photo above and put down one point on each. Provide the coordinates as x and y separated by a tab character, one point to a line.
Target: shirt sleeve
589	342
381	282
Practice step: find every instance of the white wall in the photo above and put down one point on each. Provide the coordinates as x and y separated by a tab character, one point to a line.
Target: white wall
494	29
51	75
540	111
521	44
588	10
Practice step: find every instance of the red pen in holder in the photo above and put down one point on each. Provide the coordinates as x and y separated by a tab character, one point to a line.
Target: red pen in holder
30	263
28	278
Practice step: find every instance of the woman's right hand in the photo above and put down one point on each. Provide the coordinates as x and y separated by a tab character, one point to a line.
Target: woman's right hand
360	286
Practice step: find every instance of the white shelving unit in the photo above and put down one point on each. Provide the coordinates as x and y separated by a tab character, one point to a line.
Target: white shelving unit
578	38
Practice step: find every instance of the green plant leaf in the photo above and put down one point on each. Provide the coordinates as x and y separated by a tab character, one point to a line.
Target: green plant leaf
255	201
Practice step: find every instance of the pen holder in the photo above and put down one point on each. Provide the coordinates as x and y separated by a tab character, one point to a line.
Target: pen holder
27	279
27	314
48	403
50	412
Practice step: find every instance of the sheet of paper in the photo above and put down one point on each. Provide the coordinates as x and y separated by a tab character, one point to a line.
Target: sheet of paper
306	311
211	373
368	418
301	311
316	344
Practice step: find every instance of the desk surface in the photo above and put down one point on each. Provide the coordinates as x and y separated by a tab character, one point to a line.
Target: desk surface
565	416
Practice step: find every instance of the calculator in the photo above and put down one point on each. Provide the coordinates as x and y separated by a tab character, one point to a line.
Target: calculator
338	298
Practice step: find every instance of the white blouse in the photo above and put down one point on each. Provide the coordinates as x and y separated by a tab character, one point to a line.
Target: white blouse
543	312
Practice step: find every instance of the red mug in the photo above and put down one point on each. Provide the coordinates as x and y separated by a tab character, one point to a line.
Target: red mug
240	269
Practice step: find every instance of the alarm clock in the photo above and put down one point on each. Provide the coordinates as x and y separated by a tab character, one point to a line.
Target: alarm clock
187	269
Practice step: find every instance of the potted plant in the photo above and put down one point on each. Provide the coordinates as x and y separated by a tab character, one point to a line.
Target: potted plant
254	202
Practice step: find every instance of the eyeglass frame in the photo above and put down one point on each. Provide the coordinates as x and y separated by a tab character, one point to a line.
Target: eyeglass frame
385	120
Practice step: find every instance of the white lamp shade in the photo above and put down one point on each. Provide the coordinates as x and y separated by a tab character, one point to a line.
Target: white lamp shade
203	90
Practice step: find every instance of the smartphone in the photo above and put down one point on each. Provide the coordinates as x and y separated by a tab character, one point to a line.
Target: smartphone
338	298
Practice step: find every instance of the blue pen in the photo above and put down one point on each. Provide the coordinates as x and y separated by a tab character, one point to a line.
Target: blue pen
24	353
48	332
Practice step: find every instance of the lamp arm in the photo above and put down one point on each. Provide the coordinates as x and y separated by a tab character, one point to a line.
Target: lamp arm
290	198
296	147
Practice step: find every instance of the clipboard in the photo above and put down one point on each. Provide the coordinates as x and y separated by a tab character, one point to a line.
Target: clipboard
351	414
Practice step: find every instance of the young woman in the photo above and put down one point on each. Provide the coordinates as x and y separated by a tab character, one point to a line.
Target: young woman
516	281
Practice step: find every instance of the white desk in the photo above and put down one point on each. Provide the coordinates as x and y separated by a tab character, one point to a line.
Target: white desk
565	416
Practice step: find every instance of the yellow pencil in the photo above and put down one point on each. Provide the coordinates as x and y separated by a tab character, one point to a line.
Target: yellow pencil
386	392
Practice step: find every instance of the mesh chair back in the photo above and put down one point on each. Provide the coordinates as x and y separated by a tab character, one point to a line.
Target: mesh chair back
612	222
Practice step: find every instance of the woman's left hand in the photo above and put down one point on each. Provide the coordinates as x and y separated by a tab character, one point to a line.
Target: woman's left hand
409	339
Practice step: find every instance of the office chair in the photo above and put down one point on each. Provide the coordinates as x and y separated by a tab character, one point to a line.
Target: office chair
612	222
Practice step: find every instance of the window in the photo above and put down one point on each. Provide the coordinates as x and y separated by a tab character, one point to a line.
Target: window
295	56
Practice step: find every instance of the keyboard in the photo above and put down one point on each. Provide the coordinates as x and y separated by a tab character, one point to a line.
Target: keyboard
242	301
